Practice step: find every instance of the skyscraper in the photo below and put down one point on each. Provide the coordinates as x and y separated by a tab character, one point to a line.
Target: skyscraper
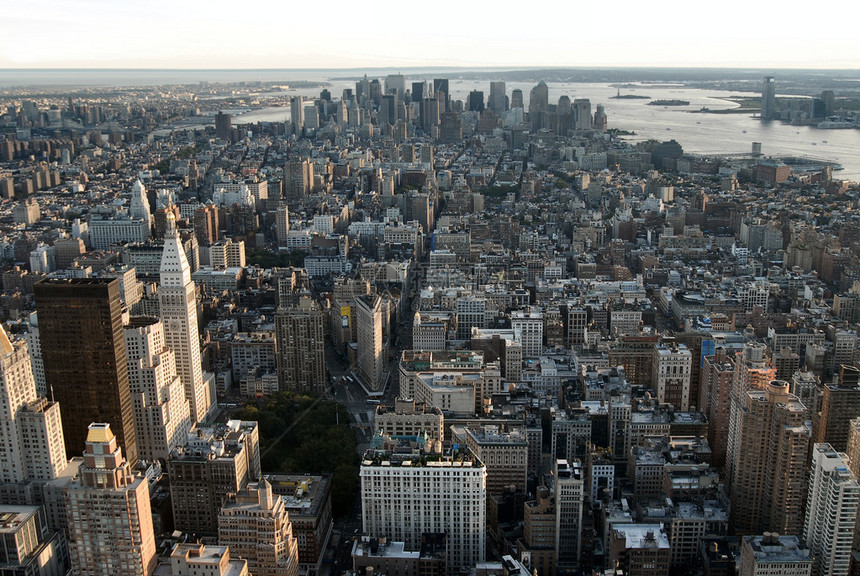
441	93
282	223
715	401
839	404
177	297
215	461
476	101
538	103
752	372
300	347
206	224
31	433
831	511
433	493
223	127
582	118
139	204
297	114
768	98
256	526
162	417
516	98
569	496
17	388
498	100
419	90
368	310
429	113
83	350
109	518
670	373
298	179
769	472
395	83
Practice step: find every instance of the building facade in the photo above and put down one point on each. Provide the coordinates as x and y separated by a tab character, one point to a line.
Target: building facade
109	516
256	526
162	417
831	511
404	496
83	351
177	298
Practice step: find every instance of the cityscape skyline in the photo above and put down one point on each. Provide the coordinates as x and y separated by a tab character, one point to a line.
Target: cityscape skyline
197	35
542	322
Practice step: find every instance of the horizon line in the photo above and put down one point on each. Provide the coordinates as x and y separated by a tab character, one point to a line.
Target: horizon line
429	67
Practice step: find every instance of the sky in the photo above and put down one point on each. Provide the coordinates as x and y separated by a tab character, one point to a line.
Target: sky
190	34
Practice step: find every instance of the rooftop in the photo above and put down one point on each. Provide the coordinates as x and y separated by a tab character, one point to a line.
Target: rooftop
13	517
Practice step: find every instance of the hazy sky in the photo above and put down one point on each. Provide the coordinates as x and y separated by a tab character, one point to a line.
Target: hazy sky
378	33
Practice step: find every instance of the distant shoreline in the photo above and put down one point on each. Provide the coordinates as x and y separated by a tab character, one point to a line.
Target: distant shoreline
118	77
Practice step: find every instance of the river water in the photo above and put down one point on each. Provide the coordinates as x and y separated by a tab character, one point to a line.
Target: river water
699	133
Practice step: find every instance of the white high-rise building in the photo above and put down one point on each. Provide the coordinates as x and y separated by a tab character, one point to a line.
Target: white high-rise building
162	417
324	224
177	299
139	205
31	431
671	368
405	495
282	224
530	324
34	346
831	511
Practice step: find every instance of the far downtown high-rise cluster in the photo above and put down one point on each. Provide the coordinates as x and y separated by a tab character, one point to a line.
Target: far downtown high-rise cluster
562	353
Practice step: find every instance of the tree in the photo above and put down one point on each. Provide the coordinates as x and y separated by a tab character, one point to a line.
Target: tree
323	441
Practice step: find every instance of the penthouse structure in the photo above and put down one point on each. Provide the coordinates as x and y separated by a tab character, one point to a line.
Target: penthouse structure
409	419
256	525
413	363
192	559
28	546
404	495
771	553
